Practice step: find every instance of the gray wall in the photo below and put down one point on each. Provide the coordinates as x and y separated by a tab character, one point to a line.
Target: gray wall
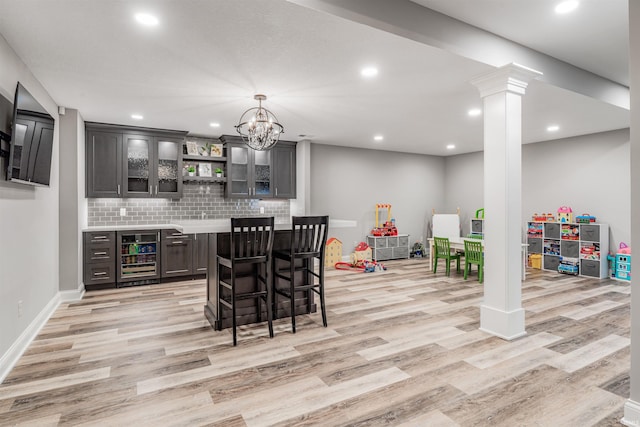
70	204
589	173
29	216
346	183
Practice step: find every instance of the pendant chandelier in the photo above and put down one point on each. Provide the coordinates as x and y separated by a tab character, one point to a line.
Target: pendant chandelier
259	127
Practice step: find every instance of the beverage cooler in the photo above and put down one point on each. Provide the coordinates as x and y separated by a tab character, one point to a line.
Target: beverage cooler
139	257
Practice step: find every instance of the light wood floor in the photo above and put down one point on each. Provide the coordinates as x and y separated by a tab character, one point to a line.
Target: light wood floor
402	348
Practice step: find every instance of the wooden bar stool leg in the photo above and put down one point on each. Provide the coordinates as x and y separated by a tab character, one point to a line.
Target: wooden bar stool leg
292	298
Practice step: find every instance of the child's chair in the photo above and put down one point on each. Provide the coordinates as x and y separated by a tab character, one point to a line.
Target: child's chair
443	250
473	255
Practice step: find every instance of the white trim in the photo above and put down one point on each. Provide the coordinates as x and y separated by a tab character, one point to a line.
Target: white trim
72	296
507	325
11	357
631	416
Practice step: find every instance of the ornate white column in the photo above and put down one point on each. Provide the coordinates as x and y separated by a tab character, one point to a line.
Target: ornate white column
501	313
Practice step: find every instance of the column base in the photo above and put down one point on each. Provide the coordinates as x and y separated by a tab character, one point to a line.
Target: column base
631	414
507	325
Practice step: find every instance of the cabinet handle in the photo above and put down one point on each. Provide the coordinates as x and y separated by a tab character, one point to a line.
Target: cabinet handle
101	273
276	191
151	190
156	190
118	189
99	253
175	271
177	243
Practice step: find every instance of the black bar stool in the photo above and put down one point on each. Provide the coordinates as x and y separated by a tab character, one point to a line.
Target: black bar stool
308	239
251	244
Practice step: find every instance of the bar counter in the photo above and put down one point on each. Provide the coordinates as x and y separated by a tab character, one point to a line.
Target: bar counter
219	243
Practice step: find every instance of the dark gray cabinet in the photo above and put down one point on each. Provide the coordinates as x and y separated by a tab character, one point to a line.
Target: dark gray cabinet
104	167
99	259
200	253
259	174
133	162
177	254
284	170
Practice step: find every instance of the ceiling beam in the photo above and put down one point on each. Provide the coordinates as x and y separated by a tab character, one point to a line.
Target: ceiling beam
413	21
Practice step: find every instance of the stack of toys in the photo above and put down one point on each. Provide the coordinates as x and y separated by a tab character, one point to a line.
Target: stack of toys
389	227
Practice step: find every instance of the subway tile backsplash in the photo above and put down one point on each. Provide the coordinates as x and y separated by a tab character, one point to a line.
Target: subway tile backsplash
198	201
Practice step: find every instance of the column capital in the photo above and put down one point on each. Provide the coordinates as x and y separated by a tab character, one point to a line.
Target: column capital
508	78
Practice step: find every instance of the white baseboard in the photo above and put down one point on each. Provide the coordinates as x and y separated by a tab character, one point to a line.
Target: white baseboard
11	357
631	416
74	295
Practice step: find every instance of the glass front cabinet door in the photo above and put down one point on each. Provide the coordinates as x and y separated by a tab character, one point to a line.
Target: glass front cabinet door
151	166
251	173
168	168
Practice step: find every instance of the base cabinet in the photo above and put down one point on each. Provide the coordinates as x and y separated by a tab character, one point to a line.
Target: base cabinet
99	259
177	254
200	253
389	247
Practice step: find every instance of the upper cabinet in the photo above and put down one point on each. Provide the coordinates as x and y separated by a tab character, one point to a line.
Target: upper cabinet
260	174
283	157
130	162
152	166
104	164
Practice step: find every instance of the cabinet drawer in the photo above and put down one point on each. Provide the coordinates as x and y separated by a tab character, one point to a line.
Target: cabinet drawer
402	252
382	254
175	235
590	268
551	262
570	248
535	246
590	232
99	273
99	237
99	253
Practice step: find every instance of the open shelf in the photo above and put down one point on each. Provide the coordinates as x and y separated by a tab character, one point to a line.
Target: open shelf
203	158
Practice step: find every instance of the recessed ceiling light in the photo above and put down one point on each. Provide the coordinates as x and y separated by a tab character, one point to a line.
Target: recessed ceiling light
369	72
474	112
214	125
450	147
567	6
378	138
146	19
553	128
137	116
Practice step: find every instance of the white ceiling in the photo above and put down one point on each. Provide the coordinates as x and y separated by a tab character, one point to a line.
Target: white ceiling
207	59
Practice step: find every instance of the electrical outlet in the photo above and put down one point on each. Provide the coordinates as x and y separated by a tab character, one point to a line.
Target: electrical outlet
261	209
123	211
20	308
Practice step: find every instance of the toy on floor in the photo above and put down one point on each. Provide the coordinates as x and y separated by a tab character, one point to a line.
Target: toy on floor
624	249
364	265
418	250
569	266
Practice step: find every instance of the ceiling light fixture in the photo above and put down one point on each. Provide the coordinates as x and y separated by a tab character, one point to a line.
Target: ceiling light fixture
214	125
567	6
553	128
378	138
137	116
369	72
450	147
147	19
474	112
259	127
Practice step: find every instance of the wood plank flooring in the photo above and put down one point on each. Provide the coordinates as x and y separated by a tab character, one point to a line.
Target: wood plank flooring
402	348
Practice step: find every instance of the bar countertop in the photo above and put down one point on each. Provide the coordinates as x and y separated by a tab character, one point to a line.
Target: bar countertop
224	225
194	226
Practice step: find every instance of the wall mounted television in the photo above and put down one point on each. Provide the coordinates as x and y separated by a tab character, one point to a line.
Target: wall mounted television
31	141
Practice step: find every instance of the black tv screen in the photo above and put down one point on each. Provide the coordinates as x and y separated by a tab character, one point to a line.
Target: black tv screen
31	141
